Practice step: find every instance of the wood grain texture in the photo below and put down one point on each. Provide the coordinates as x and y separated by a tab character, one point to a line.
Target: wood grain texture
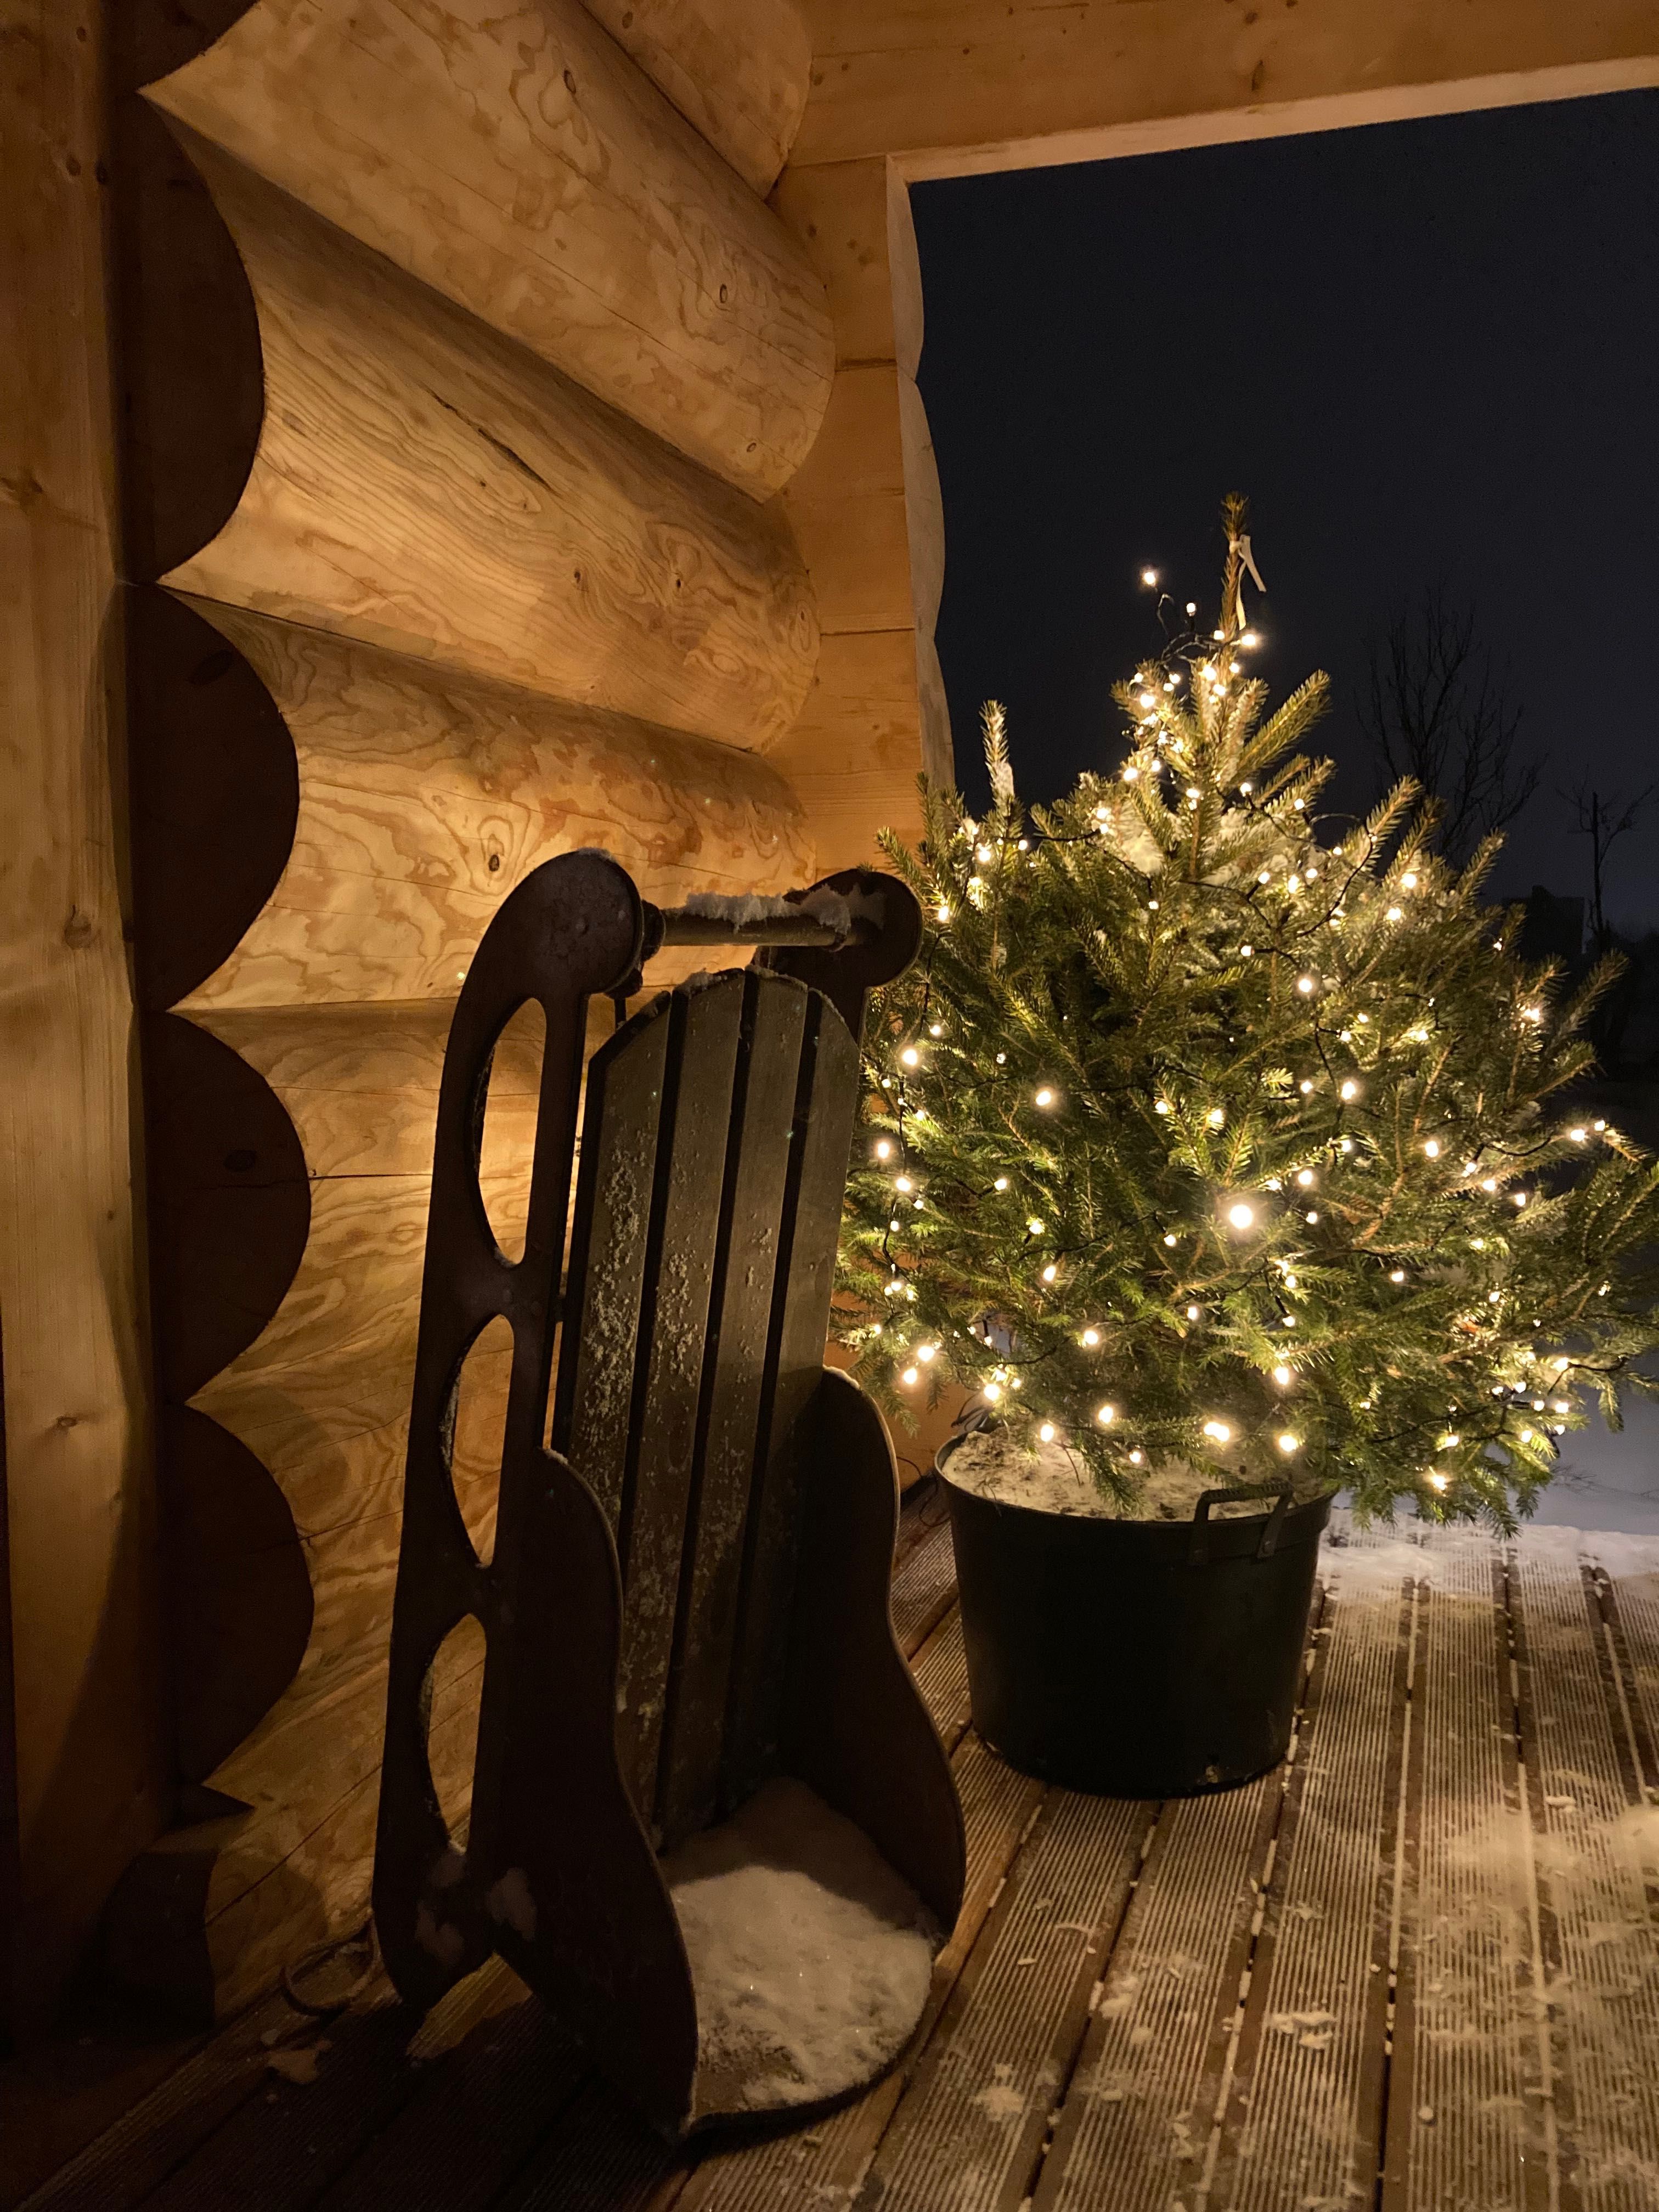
91	1765
424	485
954	89
852	757
424	797
867	514
737	70
519	163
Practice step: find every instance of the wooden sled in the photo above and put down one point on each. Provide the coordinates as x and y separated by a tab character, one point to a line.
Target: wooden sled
687	1596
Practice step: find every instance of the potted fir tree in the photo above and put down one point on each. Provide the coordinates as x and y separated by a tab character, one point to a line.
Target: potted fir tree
1220	1149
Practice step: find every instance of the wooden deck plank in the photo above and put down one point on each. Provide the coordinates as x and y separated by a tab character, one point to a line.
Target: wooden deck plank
1303	2118
454	2148
941	1671
969	2129
279	2151
120	2168
1470	2120
824	2166
924	1587
1135	2125
1594	1846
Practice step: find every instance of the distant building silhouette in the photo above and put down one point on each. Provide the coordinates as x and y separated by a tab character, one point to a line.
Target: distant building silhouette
1554	928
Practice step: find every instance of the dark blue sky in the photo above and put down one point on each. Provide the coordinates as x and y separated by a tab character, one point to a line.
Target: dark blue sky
1425	351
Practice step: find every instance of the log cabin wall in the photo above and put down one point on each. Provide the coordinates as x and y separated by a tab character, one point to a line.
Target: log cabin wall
461	375
511	457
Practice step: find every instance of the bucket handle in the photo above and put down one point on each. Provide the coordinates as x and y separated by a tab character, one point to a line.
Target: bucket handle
1198	1547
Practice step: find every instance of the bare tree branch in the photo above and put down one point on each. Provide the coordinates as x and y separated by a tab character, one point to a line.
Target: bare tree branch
1434	709
1603	817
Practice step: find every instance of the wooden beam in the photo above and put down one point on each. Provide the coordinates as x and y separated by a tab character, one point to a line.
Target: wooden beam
424	485
90	1765
868	517
519	162
953	87
737	70
403	802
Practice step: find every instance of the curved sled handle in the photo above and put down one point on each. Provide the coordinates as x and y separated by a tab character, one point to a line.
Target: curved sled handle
1198	1548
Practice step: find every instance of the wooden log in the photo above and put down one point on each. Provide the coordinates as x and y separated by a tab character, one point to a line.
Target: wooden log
422	798
737	70
88	1783
425	485
954	88
520	164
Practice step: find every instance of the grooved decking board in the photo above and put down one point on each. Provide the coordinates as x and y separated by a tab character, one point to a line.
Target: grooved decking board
823	2166
600	2157
923	1587
1469	2119
1304	2111
1136	2124
281	2150
1627	1568
136	2153
969	2129
454	2148
1591	1839
941	1672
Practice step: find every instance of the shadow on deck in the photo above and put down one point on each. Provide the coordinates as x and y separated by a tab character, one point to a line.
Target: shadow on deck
1417	1967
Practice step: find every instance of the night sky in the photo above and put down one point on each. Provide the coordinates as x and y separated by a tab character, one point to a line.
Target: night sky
1426	352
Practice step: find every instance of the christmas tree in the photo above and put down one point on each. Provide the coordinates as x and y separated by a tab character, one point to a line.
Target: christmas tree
1206	1131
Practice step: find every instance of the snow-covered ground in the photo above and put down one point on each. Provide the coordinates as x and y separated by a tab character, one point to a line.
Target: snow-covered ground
1607	1480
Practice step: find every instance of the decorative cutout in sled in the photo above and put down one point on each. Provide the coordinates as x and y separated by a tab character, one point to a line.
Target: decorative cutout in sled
690	1651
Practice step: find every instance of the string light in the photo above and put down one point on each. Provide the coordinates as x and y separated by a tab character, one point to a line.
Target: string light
1047	1433
1136	1457
1045	1096
1090	1337
884	1149
1282	1376
1106	1415
1035	1226
1242	1216
1218	1432
1350	1090
910	1375
910	1057
1287	1442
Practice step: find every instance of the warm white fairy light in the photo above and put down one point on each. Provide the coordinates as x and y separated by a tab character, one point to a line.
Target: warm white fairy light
1090	1337
1395	913
924	1353
1578	1136
1035	1226
1242	1216
1217	1432
1170	1236
1106	1415
1409	880
884	1149
943	911
1304	1086
1050	1271
1045	1096
1001	1183
1432	1148
1350	1090
1396	1275
1192	1313
1215	1117
1287	1442
910	1377
1439	1482
993	1391
903	1183
1149	577
910	1057
1310	1217
1160	1106
1304	1176
1305	985
1282	1376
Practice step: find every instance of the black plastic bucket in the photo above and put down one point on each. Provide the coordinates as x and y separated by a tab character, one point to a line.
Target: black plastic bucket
1135	1658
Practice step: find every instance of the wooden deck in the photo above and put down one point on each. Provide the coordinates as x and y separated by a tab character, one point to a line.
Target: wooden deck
1417	1967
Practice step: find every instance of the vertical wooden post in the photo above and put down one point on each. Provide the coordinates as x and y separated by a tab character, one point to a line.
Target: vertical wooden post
89	1770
